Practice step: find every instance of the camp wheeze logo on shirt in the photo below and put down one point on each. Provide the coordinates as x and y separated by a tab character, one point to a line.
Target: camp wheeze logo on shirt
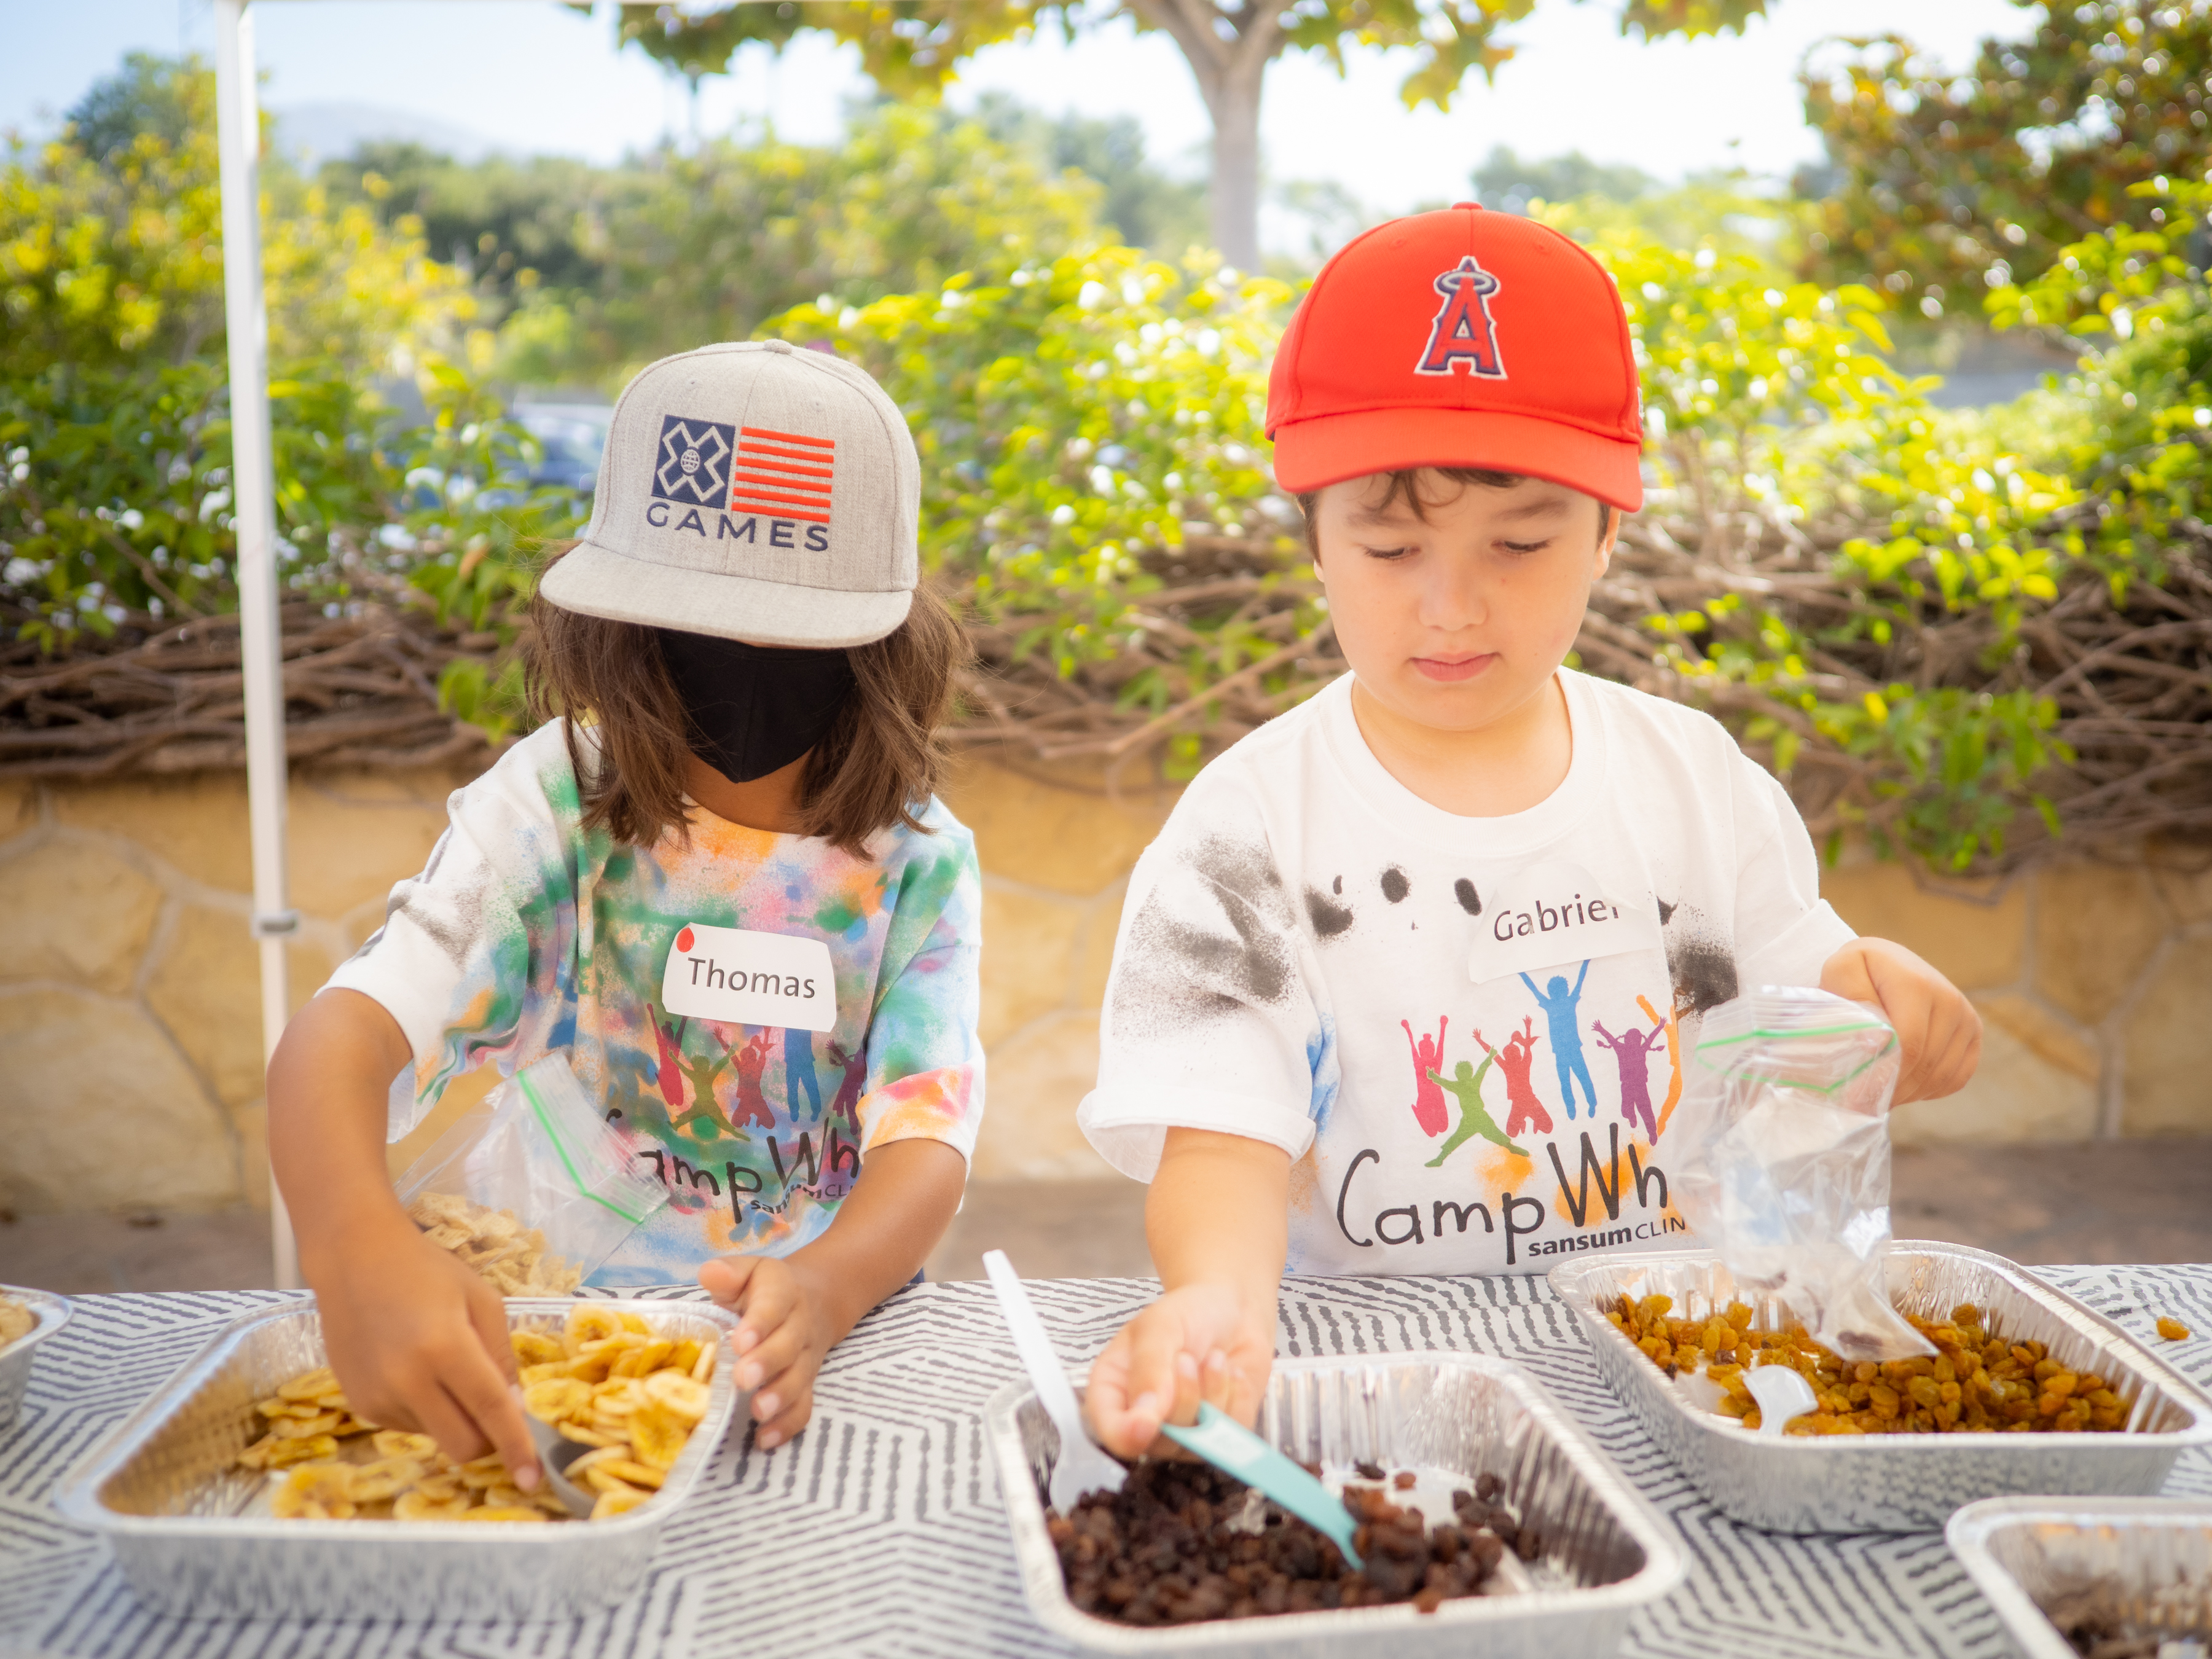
1463	331
727	482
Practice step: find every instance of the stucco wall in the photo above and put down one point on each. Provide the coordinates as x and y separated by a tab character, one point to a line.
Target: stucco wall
130	1051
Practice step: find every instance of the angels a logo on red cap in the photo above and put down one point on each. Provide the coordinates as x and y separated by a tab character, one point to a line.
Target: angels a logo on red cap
1463	331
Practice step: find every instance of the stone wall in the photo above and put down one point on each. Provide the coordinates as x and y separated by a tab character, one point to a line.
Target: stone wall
129	1043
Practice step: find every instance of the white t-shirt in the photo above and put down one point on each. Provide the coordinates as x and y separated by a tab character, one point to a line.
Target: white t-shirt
1468	1033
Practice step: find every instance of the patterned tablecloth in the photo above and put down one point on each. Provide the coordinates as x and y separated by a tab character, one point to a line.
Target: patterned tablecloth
880	1529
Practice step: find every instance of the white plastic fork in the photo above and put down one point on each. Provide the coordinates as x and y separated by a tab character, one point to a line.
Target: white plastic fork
1782	1394
1082	1465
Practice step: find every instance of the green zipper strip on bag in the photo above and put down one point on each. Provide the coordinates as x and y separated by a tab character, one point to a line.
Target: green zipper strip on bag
553	1133
1824	1030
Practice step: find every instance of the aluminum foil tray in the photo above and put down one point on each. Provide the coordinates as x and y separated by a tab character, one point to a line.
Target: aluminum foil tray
17	1358
1891	1483
2147	1559
163	1487
1604	1551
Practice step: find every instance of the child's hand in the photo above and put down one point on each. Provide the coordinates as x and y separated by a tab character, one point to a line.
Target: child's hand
1195	1344
781	1340
419	1342
1937	1028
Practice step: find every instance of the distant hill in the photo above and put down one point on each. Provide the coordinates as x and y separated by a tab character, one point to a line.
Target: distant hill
312	133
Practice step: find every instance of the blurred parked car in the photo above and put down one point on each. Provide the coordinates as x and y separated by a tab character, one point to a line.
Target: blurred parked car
573	436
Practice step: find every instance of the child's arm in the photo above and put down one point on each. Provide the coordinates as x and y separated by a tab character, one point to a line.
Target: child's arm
796	1308
1936	1027
1217	1219
418	1341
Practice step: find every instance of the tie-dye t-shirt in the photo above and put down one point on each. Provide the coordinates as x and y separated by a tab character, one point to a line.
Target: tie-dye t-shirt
1469	1034
523	935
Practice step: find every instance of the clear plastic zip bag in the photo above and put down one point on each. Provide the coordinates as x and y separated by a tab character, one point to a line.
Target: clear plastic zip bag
532	1188
1786	1173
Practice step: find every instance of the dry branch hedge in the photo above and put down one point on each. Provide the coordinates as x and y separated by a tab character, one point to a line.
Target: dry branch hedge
2132	680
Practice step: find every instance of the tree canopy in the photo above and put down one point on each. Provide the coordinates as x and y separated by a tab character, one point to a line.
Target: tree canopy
910	48
1941	184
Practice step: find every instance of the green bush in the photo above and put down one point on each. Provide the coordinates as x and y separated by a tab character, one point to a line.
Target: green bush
116	499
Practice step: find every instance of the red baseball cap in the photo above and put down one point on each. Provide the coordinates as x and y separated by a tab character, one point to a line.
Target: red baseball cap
1460	338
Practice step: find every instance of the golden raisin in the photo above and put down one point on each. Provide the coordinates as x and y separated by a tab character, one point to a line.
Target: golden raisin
2173	1330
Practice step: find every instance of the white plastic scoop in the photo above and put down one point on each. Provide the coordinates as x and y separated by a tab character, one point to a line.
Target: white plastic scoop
555	1452
1082	1465
1782	1394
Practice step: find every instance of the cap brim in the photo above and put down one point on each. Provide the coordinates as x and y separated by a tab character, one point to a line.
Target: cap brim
597	581
1330	448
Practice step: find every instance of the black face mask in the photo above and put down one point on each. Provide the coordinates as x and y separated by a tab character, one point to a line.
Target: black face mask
754	708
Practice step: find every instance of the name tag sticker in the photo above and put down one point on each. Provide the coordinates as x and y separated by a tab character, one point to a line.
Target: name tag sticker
1555	913
744	978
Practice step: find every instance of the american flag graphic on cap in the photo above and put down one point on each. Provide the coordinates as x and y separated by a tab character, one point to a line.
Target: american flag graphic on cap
783	475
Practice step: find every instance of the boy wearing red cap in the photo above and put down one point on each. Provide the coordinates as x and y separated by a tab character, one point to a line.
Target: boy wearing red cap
1404	985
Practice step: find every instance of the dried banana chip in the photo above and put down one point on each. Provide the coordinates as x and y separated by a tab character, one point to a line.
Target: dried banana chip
612	1504
17	1320
283	1453
316	1491
321	1381
535	1348
505	1512
618	1396
645	1360
584	1436
587	1325
482	1472
295	1428
398	1442
384	1479
634	1472
556	1398
657	1435
679	1394
421	1505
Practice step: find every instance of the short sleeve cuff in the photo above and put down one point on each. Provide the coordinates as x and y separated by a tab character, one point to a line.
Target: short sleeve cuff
944	1105
1797	955
1129	1127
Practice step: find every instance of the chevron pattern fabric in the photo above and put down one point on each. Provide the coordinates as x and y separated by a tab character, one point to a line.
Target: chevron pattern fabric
879	1531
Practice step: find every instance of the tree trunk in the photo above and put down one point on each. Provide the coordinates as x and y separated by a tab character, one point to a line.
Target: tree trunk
1233	196
1229	72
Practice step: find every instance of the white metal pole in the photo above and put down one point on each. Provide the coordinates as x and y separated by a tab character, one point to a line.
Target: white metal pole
254	487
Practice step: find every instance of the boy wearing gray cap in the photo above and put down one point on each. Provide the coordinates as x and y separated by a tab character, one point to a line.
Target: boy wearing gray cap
716	876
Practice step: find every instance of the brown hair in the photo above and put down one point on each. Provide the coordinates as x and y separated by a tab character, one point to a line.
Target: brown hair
880	761
1403	487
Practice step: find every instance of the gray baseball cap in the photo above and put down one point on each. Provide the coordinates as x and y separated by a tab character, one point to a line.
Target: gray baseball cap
756	492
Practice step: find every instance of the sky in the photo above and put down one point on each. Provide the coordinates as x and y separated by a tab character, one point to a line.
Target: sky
526	76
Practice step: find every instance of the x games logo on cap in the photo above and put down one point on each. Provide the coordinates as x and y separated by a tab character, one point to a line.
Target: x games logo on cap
693	463
788	519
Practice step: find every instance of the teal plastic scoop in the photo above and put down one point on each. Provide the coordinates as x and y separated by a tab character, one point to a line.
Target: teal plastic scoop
1231	1446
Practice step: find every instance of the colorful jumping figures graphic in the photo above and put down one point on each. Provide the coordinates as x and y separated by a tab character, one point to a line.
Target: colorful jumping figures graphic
799	1071
1474	1119
847	1101
669	1073
1516	1060
752	1105
1559	1004
700	1073
1428	1098
1673	1058
1631	1052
